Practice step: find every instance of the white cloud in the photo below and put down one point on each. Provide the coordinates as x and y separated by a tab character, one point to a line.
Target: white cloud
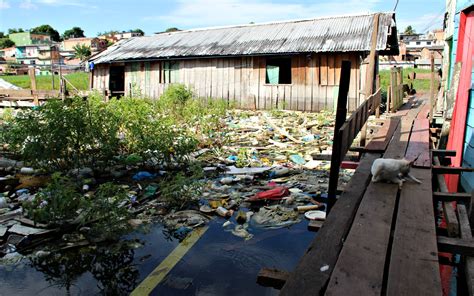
199	13
75	3
4	4
27	4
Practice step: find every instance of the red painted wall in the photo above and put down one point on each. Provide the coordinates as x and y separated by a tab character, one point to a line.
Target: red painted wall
465	54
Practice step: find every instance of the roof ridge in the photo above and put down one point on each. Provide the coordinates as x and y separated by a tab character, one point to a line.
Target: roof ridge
270	23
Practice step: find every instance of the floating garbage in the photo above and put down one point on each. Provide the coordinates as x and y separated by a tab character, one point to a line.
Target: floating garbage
276	193
143	175
315	215
223	212
3	202
297	159
279	172
308	138
27	171
241	231
275	217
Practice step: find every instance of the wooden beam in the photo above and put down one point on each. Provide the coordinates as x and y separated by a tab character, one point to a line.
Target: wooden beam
452	223
443	153
460	246
341	114
438	169
432	87
448	196
466	233
272	277
311	276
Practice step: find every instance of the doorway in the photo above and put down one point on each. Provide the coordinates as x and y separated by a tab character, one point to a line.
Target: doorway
117	81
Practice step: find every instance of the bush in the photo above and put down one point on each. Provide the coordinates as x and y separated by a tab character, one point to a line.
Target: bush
59	202
182	189
73	133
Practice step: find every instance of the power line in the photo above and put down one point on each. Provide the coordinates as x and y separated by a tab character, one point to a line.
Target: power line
395	8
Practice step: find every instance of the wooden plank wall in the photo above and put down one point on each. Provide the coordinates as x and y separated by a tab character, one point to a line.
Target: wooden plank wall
241	81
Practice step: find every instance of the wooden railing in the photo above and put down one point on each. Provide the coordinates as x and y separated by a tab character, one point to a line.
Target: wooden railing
395	90
345	135
353	125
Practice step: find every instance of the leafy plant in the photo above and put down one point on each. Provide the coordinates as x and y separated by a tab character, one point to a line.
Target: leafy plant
59	202
181	190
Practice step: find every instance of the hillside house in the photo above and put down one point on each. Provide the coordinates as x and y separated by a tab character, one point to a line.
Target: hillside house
293	64
27	38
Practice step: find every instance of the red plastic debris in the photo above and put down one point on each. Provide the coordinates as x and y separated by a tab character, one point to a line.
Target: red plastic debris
276	193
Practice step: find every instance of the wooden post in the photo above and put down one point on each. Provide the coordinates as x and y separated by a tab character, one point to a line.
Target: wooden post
432	87
389	98
377	86
341	114
393	89
369	84
32	74
400	87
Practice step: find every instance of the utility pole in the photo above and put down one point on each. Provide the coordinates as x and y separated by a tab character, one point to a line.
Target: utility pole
51	61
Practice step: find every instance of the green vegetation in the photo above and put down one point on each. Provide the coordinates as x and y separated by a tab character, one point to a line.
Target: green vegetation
82	51
75	32
420	85
43	82
5	42
61	203
74	133
47	29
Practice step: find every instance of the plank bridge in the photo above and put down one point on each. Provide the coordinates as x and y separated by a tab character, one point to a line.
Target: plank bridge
382	240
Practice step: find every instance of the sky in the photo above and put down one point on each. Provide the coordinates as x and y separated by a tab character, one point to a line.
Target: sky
156	16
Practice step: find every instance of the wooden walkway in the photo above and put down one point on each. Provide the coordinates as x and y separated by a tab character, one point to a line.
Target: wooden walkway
379	240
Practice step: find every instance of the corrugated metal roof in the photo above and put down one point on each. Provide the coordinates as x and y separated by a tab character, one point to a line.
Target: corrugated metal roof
329	34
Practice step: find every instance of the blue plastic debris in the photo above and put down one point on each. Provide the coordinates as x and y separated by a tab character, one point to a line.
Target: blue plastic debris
143	175
308	138
182	232
20	192
233	158
297	159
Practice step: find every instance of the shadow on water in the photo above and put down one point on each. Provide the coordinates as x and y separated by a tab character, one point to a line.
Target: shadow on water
218	264
112	268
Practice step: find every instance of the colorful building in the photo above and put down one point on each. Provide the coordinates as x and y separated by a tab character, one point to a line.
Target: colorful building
27	38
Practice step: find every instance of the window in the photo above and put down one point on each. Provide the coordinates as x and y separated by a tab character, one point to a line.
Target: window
278	71
32	62
418	43
170	72
428	43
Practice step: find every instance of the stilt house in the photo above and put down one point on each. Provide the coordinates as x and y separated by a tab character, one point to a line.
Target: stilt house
293	65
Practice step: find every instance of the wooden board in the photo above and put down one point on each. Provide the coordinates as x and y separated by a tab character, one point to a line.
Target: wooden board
466	233
414	268
381	139
461	246
360	266
308	278
419	145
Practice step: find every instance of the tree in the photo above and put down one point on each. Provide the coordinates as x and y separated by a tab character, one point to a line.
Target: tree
409	31
82	51
2	35
6	42
172	29
47	29
138	31
15	30
75	32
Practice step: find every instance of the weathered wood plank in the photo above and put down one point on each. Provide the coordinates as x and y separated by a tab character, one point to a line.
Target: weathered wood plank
419	146
449	196
414	267
271	277
323	69
360	266
461	246
380	141
452	223
466	233
438	169
331	70
309	276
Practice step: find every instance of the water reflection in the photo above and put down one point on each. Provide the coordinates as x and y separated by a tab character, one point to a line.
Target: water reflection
111	266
